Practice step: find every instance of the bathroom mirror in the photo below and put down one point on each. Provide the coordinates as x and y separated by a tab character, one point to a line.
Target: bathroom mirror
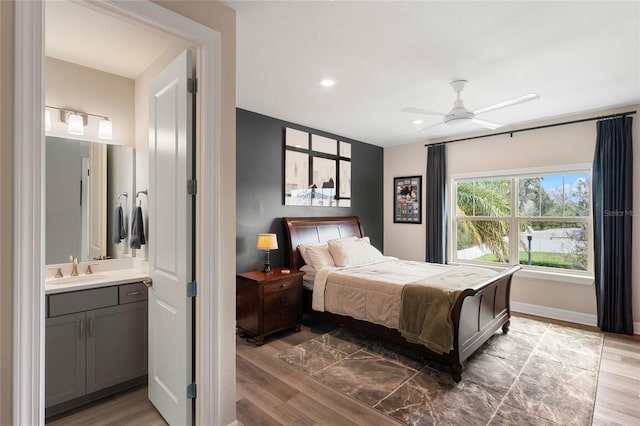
83	181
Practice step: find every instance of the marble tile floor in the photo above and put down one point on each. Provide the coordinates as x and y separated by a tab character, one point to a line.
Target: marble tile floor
538	374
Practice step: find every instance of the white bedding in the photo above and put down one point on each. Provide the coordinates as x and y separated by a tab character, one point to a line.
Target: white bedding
370	292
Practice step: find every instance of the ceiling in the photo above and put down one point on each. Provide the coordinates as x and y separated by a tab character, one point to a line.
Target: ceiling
579	57
81	35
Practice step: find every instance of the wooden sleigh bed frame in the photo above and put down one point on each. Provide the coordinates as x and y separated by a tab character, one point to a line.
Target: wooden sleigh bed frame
478	313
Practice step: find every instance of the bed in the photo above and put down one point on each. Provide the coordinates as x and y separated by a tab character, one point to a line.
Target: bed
477	312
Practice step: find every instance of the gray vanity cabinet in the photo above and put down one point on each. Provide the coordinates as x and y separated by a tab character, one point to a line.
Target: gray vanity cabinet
65	358
116	345
95	340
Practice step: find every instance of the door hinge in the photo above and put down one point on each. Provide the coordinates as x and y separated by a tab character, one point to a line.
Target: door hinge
192	85
192	289
192	187
192	391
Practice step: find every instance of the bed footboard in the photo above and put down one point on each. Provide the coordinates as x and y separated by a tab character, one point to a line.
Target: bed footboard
478	313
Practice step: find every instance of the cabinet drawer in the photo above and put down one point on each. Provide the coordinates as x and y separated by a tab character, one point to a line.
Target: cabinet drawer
282	285
281	299
84	300
281	319
129	293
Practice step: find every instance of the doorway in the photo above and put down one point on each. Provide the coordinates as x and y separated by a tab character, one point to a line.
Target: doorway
28	403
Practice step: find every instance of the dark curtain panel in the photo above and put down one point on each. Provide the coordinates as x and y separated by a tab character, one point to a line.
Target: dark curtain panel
436	204
612	216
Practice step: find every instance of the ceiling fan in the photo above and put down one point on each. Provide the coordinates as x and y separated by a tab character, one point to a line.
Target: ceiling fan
461	115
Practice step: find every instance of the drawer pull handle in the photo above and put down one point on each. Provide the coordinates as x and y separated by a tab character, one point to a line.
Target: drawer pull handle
91	327
82	329
135	293
283	285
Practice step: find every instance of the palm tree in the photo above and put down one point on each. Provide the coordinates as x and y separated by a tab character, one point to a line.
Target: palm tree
489	198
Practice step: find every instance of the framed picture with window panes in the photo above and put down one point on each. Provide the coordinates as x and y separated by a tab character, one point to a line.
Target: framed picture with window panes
317	170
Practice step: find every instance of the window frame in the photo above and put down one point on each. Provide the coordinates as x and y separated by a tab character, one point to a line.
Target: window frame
513	219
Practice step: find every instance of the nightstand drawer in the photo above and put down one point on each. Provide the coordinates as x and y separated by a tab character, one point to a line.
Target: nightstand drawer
281	285
281	299
281	319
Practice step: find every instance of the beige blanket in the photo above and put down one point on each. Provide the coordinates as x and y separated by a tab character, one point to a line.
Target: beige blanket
425	316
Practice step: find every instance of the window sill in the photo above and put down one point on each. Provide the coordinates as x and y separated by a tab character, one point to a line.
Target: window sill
558	277
541	275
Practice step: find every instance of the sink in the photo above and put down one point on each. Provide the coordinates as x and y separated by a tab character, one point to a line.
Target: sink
80	279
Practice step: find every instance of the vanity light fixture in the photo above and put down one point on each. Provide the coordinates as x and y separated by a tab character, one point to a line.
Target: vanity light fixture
76	121
76	124
105	129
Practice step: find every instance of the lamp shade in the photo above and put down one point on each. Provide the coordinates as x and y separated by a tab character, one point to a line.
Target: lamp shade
76	124
267	242
105	129
47	119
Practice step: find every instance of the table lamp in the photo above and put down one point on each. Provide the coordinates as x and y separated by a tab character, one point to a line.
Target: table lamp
267	242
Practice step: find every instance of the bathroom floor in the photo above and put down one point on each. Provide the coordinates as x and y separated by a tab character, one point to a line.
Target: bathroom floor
125	408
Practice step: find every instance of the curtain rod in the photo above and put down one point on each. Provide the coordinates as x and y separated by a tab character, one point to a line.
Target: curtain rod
511	132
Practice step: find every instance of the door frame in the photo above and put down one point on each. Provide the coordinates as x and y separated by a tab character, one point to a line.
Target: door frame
28	215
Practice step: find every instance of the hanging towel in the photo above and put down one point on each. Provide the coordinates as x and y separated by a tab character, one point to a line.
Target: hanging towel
137	229
119	232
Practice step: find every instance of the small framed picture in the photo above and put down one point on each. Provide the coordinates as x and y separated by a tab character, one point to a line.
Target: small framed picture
407	199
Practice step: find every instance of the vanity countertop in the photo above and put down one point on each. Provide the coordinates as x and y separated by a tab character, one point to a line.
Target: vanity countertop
101	278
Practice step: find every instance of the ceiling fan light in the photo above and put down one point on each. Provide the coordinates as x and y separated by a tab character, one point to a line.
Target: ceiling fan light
457	121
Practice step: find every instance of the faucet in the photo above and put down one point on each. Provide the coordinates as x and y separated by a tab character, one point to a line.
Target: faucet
74	266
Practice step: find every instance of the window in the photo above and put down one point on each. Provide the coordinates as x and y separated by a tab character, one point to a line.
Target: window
542	220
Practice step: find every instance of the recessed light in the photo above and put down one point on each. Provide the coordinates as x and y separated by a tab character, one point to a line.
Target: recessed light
418	121
327	82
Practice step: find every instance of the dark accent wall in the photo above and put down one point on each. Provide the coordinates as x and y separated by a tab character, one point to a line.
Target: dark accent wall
259	185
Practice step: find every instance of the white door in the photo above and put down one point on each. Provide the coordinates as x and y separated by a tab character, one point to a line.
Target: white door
170	241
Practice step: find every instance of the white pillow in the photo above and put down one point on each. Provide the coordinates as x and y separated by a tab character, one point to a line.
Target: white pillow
319	256
302	248
353	252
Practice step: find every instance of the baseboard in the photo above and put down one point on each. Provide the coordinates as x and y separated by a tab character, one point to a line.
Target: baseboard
554	313
562	315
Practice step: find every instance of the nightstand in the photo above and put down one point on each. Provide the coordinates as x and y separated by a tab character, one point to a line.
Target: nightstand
268	302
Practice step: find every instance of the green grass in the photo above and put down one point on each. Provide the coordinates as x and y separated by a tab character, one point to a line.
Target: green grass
551	260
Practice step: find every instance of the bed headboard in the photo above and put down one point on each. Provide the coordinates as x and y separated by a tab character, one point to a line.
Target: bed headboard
307	230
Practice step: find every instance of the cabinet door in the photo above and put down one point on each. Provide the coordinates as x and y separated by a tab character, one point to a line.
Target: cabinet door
65	360
116	345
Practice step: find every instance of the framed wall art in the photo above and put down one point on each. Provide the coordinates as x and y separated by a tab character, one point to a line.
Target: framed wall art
407	199
317	170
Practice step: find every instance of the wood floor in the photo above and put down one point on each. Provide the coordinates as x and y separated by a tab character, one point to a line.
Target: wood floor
269	392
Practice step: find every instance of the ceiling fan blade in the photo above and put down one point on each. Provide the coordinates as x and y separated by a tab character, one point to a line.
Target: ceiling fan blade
510	102
429	126
487	124
422	111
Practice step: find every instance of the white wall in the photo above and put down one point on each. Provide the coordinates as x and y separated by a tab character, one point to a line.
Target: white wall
554	146
79	88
